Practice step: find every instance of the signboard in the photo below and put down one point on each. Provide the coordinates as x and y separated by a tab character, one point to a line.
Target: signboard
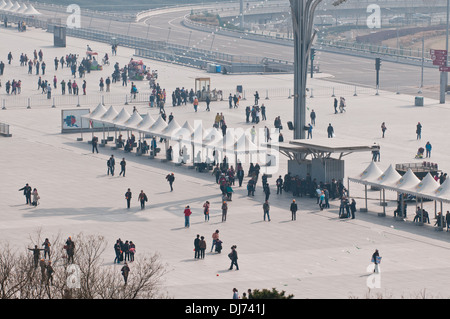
439	57
444	68
71	120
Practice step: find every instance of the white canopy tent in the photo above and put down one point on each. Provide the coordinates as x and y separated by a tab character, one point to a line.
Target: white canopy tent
2	4
15	7
427	188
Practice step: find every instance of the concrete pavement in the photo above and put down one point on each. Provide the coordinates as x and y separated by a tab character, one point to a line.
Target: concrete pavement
317	256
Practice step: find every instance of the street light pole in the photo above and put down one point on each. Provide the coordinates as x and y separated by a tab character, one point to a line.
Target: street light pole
444	75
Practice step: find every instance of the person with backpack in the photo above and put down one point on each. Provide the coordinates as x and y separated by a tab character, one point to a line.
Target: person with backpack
142	198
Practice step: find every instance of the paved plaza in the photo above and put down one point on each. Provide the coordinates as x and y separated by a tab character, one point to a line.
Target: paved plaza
316	256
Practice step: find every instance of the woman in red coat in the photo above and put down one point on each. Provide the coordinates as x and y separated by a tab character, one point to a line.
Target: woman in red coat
187	213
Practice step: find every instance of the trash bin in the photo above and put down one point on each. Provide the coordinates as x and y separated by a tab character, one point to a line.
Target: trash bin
419	101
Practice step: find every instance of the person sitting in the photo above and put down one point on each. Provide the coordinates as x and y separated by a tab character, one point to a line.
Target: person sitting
129	146
420	152
119	142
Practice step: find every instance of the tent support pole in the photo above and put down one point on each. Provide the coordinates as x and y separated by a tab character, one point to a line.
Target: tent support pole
364	210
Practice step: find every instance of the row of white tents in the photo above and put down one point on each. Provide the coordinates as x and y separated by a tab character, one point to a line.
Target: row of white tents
409	183
16	7
197	136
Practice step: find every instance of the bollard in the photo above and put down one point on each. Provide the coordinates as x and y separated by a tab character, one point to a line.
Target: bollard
78	99
333	93
267	94
29	104
312	93
290	96
243	98
103	100
53	105
126	99
398	92
355	92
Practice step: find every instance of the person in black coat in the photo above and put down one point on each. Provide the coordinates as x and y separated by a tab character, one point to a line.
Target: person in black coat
94	143
353	208
123	164
27	192
128	196
294	210
234	257
197	247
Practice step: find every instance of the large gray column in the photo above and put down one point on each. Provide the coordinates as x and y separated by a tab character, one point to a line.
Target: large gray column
302	24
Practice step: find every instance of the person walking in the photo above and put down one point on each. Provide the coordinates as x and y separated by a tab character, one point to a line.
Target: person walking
234	257
132	251
123	164
383	129
335	105
170	178
125	272
267	191
266	209
224	211
49	273
215	238
112	164
128	196
187	214
142	198
27	193
36	198
197	247
376	259
310	128
293	209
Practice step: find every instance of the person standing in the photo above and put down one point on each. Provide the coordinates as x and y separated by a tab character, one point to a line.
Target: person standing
49	272
36	255
266	209
330	131
224	211
267	191
202	247
313	117
293	209
419	131
240	174
170	178
123	164
94	144
112	164
197	247
428	149
310	128
235	291
383	129
208	101
256	98
335	105
128	196
142	198
263	112
215	238
36	197
279	183
27	193
353	208
447	219
206	210
46	245
187	214
70	249
132	251
234	257
125	272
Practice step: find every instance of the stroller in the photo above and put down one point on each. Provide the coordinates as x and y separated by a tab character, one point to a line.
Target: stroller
420	152
218	246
